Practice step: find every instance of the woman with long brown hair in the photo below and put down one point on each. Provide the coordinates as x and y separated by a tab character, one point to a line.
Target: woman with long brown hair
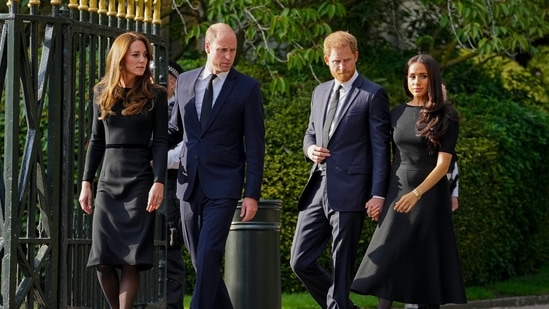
412	256
130	118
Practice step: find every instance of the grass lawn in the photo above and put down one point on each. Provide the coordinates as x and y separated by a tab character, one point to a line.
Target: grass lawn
536	284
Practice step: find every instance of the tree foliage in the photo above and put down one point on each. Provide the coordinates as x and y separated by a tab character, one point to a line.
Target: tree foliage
491	27
283	31
496	26
292	31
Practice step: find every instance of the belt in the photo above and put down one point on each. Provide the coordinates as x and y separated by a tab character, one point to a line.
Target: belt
121	146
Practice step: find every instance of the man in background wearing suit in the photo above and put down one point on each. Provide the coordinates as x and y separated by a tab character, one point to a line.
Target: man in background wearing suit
175	268
219	114
348	142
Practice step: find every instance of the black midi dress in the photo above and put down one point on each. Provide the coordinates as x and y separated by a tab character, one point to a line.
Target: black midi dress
412	257
122	229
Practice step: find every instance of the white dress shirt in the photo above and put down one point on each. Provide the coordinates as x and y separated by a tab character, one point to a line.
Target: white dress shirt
202	83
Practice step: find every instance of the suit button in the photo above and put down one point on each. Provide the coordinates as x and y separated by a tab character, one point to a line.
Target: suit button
195	157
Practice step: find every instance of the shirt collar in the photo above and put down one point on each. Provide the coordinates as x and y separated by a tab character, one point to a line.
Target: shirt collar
346	85
207	72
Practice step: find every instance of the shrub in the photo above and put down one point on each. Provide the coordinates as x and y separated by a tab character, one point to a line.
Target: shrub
503	147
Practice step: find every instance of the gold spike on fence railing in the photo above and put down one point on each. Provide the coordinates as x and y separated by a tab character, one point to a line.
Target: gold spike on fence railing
130	12
121	9
83	5
112	9
93	6
10	2
33	3
102	7
148	11
139	10
73	4
157	18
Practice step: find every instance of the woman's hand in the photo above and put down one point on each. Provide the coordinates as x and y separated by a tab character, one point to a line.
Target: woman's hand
406	203
85	199
155	196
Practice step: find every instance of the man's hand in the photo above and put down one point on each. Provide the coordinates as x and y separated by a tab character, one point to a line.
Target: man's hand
374	207
317	154
249	209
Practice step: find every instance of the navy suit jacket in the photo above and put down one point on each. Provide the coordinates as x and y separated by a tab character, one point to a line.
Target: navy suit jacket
358	166
231	147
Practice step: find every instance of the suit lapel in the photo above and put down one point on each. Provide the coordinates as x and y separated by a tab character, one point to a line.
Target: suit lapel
190	92
324	97
228	86
349	99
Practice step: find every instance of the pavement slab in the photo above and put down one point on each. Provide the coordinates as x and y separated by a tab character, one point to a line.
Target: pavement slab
526	302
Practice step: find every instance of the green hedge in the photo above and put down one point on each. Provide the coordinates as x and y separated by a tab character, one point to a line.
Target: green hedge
503	150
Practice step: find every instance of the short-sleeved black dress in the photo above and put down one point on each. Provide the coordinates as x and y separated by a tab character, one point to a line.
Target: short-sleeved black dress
412	257
122	229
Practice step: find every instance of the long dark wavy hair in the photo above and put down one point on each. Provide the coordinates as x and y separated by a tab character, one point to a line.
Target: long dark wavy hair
436	113
109	91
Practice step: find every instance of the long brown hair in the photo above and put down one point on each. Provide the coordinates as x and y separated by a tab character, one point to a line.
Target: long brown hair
436	113
109	90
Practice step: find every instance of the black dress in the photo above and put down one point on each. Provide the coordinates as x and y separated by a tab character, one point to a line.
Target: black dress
412	257
122	230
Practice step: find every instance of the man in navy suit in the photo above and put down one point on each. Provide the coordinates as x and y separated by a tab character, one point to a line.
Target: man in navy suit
349	176
219	115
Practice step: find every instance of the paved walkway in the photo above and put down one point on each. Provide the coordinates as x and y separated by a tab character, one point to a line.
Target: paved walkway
527	302
525	307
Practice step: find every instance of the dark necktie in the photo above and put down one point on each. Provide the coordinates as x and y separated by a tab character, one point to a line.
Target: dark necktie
332	107
207	102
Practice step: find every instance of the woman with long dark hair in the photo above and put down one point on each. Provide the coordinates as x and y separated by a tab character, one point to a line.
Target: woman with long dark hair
412	256
128	109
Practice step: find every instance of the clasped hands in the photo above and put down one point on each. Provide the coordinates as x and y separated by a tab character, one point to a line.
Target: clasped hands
404	205
374	207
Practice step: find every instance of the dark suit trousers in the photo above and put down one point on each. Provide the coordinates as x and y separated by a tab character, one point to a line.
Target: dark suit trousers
315	225
206	224
175	268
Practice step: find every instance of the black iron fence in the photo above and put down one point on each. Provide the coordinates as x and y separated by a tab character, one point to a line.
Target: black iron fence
48	66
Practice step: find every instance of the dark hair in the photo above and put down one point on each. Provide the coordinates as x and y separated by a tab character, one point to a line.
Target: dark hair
436	112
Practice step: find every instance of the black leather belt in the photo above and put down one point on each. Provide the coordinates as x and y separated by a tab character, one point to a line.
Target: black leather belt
126	146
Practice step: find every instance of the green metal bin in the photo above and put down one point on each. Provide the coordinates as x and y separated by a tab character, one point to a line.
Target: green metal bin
252	258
